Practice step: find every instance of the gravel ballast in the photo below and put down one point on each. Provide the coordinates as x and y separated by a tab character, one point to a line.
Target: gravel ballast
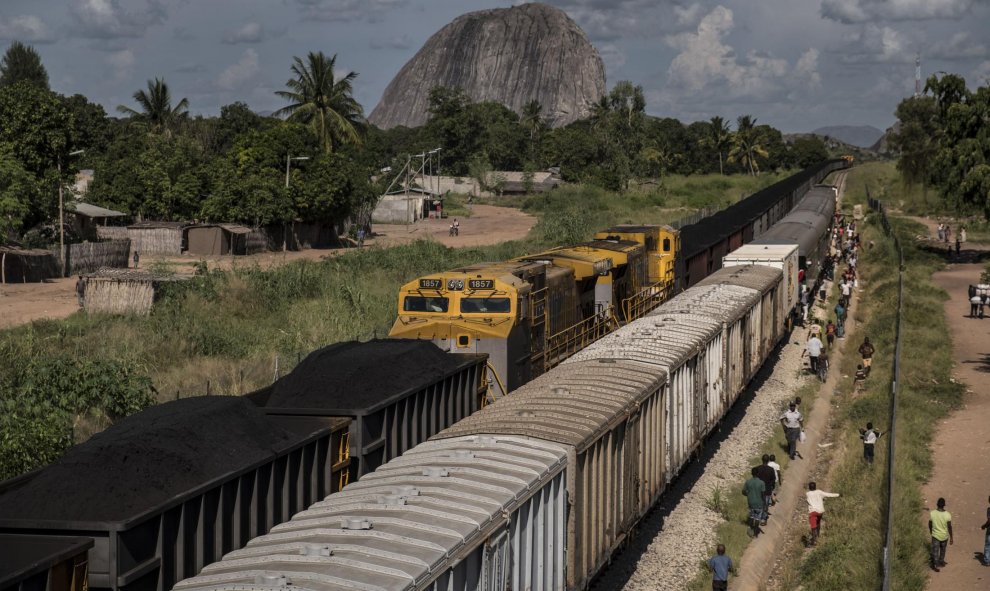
670	561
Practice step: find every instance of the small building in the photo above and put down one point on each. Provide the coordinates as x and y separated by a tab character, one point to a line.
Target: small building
161	238
124	291
513	182
404	206
22	265
87	218
217	239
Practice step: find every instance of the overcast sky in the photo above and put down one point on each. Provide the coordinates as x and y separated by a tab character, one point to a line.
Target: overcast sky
797	64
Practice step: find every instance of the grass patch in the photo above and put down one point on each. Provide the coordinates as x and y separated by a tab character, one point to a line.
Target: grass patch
849	554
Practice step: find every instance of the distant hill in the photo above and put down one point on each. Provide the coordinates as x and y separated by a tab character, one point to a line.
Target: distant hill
836	147
506	55
863	136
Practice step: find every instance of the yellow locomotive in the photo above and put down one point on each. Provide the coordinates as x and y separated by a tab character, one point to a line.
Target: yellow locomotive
530	313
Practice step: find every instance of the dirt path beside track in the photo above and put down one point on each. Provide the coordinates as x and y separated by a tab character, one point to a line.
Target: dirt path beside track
488	224
960	447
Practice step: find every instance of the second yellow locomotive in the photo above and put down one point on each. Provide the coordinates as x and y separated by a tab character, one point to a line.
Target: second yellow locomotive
530	313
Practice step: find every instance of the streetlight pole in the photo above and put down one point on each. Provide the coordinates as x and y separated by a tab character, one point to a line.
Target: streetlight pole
61	210
288	160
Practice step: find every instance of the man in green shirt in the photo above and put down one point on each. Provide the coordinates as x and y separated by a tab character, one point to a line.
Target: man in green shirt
940	526
754	490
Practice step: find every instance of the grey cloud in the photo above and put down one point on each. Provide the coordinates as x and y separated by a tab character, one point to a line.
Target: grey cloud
876	44
248	33
348	10
191	69
861	11
958	47
106	19
183	34
402	42
612	20
25	28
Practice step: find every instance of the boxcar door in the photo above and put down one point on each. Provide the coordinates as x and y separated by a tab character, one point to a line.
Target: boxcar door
631	471
495	567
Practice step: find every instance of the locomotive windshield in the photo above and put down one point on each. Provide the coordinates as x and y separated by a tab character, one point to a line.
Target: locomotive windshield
485	305
425	304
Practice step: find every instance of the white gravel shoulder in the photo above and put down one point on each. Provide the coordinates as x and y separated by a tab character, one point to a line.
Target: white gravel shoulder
672	559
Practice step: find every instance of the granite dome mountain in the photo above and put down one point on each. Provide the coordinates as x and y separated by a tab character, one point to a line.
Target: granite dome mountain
507	55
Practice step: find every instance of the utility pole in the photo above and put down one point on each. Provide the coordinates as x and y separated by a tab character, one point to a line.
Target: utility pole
61	210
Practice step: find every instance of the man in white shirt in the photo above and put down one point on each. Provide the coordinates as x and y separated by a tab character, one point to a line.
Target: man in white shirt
869	437
816	508
814	349
792	421
776	474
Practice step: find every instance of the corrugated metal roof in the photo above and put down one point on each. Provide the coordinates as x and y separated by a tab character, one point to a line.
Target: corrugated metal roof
748	252
95	211
571	407
399	526
759	277
724	303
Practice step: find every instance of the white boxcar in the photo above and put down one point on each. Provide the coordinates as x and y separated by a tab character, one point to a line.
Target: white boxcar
735	309
469	513
688	347
768	323
609	414
779	256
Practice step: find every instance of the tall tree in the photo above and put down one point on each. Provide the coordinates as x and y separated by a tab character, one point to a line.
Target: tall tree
719	139
22	63
323	101
747	146
156	107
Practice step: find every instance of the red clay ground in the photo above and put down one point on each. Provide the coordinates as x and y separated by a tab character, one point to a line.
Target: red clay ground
22	303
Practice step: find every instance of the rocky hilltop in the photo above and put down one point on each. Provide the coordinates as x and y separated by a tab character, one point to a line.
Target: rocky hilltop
508	55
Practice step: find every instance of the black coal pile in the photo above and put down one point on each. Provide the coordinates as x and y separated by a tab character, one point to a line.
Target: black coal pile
355	375
148	459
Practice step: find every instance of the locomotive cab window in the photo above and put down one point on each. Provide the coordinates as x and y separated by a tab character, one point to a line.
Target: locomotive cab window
425	304
666	244
485	305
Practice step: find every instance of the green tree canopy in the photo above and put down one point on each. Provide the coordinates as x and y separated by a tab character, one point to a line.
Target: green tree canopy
323	101
22	63
17	187
156	110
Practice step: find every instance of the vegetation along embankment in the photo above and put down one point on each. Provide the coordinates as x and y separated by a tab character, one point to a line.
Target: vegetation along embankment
69	378
849	557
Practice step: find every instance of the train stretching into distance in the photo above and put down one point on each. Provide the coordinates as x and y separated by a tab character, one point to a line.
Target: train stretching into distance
537	490
533	312
365	409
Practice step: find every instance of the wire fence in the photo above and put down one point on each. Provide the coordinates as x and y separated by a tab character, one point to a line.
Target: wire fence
888	539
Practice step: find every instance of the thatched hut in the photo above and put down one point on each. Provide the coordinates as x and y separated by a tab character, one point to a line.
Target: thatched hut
157	237
124	291
22	265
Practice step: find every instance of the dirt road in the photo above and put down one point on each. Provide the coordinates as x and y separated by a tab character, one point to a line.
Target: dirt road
488	224
961	443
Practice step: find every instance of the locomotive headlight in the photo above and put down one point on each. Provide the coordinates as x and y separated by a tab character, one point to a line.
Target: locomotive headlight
455	285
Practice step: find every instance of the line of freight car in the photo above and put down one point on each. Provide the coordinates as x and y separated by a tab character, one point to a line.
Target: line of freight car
536	490
43	563
705	243
173	488
396	392
531	313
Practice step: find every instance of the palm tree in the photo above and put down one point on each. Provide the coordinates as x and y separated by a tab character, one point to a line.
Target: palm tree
747	146
719	139
157	111
323	101
532	118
